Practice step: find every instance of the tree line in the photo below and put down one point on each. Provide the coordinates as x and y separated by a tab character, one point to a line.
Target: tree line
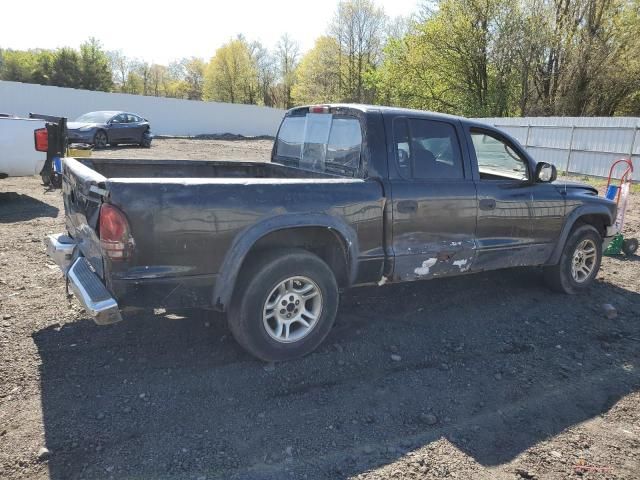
466	57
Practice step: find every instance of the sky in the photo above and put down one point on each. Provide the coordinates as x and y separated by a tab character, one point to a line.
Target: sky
162	31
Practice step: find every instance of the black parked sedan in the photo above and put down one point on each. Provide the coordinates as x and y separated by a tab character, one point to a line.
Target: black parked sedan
110	128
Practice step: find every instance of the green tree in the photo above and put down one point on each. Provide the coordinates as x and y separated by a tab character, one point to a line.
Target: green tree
459	59
193	77
231	74
41	74
266	71
17	66
94	66
318	75
358	28
287	53
66	69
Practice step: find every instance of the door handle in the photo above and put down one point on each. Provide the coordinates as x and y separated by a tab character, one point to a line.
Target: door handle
487	204
407	206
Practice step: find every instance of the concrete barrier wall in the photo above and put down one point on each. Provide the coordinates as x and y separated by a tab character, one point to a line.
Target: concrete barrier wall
168	116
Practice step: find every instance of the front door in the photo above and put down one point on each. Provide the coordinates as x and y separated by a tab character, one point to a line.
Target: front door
517	217
433	199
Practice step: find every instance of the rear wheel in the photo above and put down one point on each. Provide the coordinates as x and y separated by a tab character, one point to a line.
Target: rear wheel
145	141
284	305
579	262
100	139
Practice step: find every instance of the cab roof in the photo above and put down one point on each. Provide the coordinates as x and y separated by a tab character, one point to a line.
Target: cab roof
365	108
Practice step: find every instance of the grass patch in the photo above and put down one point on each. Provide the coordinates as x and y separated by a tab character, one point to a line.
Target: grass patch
597	182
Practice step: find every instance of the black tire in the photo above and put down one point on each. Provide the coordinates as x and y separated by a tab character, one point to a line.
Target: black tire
46	178
630	246
145	140
100	139
56	180
559	277
254	288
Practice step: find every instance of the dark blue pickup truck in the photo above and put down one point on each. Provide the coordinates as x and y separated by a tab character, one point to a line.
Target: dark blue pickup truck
353	195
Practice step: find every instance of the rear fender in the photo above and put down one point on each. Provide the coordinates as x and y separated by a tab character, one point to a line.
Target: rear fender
246	239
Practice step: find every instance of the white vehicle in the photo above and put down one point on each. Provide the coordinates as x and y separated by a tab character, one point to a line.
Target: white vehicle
31	146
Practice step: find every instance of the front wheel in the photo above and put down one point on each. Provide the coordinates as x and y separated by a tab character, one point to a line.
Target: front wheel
100	139
284	305
579	262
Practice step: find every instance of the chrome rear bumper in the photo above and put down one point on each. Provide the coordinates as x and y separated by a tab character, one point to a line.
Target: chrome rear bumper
84	283
60	249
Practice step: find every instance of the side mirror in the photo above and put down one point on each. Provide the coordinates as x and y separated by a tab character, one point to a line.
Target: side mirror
545	172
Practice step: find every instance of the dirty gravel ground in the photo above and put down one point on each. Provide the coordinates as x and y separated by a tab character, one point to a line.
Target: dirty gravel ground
498	378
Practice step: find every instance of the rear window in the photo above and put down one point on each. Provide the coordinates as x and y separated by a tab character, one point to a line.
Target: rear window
321	142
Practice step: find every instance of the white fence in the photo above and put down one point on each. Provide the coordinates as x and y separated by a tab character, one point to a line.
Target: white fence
586	145
168	116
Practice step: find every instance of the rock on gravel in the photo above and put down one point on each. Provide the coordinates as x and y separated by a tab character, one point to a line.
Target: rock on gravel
43	454
609	311
428	418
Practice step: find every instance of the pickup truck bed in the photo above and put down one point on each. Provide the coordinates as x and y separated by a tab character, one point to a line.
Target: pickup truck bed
353	195
194	221
119	169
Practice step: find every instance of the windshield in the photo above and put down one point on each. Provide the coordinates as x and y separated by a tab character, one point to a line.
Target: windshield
321	142
95	117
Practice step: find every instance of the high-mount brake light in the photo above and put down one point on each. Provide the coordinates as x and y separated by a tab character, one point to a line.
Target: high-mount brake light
319	109
42	139
115	237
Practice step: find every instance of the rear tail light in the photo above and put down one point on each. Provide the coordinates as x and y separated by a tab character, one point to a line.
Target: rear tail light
115	237
42	139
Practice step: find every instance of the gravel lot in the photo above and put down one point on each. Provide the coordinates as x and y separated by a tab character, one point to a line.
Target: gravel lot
497	377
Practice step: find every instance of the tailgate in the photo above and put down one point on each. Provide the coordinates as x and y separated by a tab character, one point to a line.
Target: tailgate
83	191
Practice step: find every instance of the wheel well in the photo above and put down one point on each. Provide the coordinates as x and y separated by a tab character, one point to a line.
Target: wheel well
324	242
600	222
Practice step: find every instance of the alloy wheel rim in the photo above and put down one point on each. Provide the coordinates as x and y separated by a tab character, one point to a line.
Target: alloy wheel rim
584	260
292	309
101	140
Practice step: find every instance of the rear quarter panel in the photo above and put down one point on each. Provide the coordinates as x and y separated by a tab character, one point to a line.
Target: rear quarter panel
188	227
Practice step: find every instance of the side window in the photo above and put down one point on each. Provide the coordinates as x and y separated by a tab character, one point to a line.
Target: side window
122	118
497	160
345	142
132	118
427	149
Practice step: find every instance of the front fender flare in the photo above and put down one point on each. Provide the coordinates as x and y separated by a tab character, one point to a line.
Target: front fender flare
571	220
246	239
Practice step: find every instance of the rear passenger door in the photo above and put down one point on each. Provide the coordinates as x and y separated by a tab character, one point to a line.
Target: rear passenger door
134	128
434	202
118	128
